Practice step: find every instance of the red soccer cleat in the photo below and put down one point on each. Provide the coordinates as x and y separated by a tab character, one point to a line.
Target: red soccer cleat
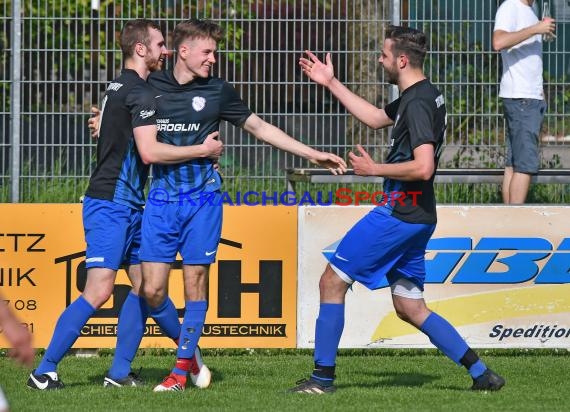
172	382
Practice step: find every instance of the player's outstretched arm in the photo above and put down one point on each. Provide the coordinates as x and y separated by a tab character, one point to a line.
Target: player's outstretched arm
323	74
278	138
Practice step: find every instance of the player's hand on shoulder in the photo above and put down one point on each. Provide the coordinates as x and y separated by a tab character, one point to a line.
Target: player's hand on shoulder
213	146
93	122
334	163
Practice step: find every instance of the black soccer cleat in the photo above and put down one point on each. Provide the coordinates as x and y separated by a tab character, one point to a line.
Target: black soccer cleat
45	382
489	381
132	379
312	387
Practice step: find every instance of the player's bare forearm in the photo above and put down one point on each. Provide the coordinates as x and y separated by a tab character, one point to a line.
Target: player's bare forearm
323	74
155	152
420	168
278	138
360	108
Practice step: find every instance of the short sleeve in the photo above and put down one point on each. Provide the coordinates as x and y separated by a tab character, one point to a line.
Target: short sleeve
419	118
142	106
233	109
391	109
504	19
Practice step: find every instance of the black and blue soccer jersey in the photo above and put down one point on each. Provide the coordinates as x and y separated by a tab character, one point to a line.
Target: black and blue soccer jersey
120	174
186	114
419	117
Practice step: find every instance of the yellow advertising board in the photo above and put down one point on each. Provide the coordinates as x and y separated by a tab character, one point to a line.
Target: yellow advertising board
252	285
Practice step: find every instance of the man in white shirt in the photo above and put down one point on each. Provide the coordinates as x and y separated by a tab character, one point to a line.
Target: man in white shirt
518	35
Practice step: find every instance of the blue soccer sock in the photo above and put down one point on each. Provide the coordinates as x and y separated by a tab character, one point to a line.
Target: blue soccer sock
166	316
194	318
130	330
328	331
67	330
446	338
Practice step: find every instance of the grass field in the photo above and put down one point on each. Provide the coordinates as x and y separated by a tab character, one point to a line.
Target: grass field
393	380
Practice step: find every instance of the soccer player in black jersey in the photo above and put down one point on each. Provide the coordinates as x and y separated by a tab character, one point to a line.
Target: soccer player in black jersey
112	210
390	241
184	208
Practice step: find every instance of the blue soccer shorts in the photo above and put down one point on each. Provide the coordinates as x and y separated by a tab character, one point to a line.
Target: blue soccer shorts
380	245
112	233
191	228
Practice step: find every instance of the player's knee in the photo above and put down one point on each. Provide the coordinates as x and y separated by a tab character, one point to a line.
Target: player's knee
99	296
327	281
332	288
413	314
402	313
404	310
154	296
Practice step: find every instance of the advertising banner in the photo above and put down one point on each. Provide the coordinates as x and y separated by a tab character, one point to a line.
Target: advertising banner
499	274
252	297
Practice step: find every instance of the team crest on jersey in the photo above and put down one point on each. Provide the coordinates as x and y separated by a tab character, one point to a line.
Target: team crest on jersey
198	103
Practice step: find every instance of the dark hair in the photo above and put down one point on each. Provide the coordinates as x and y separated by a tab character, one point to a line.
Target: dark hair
408	41
196	29
133	32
